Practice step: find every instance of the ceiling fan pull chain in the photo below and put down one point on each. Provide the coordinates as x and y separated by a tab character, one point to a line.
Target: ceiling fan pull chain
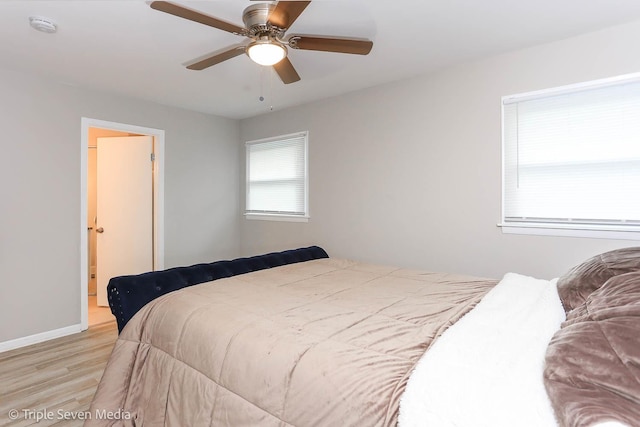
271	88
261	98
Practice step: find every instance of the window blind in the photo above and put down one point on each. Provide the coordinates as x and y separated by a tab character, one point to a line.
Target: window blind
573	157
277	175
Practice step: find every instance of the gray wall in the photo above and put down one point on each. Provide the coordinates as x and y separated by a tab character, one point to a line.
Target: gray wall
410	173
40	193
406	174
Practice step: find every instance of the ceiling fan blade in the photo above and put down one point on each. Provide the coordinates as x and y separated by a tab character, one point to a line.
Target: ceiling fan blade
286	72
329	44
216	58
286	12
192	15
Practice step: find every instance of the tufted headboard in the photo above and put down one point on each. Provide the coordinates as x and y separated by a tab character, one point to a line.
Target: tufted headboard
128	294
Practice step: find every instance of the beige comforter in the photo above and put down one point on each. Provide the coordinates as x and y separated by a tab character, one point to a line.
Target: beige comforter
325	342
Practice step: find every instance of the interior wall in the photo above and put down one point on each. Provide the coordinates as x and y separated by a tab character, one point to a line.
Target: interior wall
40	193
410	173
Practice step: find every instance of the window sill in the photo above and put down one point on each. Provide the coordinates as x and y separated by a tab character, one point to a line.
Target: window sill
277	217
573	230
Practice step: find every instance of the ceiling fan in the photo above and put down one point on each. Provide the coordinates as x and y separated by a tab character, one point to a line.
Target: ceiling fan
265	26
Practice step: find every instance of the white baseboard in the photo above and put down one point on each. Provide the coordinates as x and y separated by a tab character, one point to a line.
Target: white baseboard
37	338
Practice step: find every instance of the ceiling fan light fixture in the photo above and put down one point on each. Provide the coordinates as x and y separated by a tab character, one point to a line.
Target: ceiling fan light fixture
265	25
266	52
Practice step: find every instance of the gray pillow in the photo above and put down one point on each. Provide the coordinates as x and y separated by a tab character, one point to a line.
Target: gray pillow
591	367
575	286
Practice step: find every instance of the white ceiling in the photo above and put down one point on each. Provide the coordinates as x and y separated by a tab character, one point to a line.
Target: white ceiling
125	47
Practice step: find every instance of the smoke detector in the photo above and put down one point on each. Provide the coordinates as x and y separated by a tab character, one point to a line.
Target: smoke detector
44	25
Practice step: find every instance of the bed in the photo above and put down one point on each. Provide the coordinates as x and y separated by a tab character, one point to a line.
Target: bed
338	342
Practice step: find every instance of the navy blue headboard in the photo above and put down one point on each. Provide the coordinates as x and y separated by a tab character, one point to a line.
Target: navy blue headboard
128	294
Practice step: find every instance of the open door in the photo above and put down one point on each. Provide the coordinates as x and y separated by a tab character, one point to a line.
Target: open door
124	209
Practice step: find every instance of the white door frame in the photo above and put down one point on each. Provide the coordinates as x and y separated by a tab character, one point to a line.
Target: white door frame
158	201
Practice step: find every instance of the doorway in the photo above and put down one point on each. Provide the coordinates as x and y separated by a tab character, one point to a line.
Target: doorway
120	143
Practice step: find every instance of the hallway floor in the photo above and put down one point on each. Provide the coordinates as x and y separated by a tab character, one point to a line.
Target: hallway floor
97	314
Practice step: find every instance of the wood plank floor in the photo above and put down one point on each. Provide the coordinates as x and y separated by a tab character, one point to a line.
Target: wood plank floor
54	377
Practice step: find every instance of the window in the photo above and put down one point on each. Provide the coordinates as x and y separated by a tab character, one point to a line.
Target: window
571	158
277	178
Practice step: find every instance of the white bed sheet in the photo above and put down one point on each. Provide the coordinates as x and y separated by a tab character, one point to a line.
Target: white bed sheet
486	369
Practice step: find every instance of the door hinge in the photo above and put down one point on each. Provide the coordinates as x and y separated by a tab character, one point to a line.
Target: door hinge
153	157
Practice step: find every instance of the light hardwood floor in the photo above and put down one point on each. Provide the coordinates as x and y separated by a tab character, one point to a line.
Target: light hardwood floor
54	378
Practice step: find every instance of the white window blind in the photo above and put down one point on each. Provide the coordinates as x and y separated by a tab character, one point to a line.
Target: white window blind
572	156
277	176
